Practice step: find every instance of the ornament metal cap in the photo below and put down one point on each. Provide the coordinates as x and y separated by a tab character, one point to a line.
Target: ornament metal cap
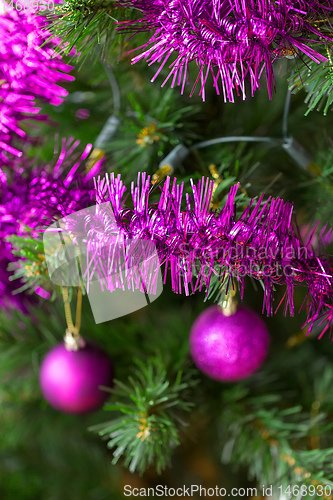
229	303
230	306
73	341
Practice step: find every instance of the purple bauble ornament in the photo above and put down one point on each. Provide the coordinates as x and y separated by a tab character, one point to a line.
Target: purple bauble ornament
70	380
228	348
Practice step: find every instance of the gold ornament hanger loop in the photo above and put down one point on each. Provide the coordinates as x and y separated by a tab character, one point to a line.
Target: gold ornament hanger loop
73	341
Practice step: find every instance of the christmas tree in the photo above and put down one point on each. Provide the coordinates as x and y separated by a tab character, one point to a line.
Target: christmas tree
166	276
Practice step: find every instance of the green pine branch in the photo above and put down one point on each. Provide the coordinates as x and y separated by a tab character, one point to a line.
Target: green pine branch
152	125
31	268
280	442
150	410
85	25
317	80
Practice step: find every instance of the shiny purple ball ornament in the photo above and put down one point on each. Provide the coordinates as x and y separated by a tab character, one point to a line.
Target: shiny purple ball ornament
229	347
70	379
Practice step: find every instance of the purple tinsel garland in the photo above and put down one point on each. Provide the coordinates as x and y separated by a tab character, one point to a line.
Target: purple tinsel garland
198	245
29	69
231	39
33	196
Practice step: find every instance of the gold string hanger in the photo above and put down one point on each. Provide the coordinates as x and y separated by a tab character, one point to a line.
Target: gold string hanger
73	340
